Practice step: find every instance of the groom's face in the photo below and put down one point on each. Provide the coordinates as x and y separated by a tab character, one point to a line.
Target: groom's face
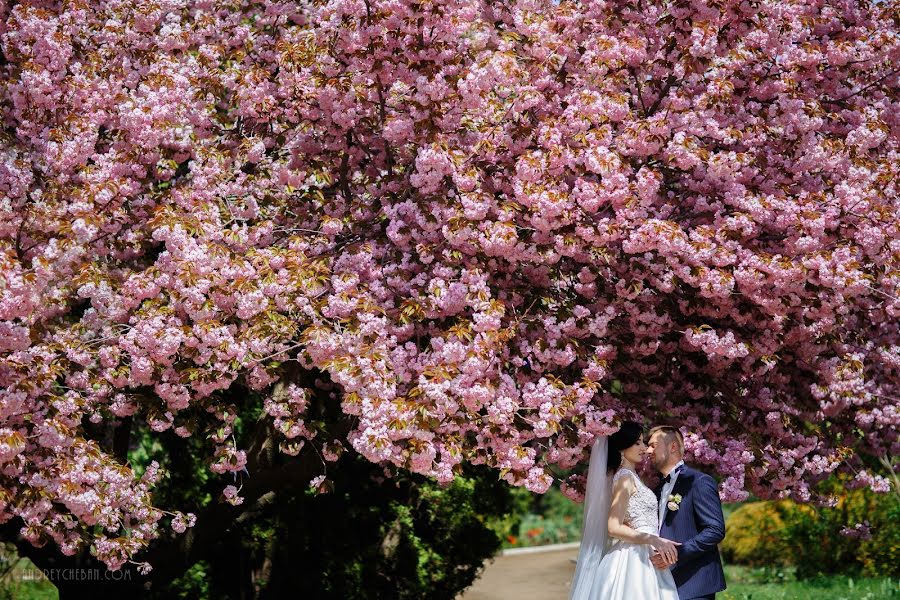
658	450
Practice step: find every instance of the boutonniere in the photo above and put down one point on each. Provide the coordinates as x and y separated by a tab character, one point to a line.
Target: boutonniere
674	501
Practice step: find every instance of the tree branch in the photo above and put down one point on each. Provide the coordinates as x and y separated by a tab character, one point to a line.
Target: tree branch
122	439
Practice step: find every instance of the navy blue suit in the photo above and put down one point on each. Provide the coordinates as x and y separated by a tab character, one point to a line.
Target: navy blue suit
699	525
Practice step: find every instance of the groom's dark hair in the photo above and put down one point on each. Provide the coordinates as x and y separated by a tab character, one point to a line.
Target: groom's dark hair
670	434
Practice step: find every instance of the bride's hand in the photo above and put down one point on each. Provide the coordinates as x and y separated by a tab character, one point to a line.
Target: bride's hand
667	548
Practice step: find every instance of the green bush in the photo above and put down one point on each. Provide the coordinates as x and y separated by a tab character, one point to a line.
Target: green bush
880	556
754	536
820	547
812	538
403	537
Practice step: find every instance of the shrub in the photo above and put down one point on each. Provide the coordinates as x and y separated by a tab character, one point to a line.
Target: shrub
880	555
819	540
754	536
815	539
403	537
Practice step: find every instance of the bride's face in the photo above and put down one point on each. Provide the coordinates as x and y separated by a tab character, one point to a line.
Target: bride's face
635	453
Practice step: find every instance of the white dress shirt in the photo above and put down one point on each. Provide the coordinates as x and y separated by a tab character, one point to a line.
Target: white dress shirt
666	490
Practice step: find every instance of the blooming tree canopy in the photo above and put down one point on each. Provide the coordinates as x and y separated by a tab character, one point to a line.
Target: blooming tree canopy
488	229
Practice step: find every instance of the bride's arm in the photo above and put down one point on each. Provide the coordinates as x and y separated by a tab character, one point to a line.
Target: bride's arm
623	488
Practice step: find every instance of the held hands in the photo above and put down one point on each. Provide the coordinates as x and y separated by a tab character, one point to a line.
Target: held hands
665	553
657	560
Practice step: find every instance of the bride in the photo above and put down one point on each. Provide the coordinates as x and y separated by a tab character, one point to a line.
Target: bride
619	506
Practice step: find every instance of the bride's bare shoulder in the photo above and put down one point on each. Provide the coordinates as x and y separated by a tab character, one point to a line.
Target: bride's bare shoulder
625	478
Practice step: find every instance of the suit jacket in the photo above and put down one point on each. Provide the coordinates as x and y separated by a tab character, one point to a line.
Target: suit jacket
699	526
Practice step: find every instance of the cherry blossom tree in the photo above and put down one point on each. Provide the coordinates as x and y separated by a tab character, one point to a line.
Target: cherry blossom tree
464	231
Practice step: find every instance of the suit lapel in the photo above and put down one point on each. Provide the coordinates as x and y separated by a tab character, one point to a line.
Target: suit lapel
682	486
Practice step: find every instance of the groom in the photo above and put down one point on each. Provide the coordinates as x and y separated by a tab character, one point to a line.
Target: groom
690	513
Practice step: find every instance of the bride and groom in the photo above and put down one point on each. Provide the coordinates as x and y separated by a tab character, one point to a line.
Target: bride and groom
647	544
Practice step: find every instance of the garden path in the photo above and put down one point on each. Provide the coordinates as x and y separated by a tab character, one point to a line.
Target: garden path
537	576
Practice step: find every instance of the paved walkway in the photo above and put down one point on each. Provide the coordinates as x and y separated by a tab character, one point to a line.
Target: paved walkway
538	576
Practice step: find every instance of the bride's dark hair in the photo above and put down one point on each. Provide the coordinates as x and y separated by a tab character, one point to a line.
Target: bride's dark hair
626	437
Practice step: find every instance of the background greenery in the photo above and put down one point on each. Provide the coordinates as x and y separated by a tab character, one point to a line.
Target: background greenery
370	537
773	549
550	518
19	580
406	537
810	539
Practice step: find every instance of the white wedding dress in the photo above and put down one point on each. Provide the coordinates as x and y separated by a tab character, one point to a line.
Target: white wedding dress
624	572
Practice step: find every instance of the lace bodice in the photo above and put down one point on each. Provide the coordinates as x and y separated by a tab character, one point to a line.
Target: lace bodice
642	513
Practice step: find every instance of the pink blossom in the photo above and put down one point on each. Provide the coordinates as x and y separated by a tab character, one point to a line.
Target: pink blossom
230	493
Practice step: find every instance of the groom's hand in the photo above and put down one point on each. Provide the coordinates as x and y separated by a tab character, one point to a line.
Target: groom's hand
667	550
659	561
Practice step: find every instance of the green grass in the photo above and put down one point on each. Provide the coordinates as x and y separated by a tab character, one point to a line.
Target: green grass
746	583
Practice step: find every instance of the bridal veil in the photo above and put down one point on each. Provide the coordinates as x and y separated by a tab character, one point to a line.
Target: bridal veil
594	535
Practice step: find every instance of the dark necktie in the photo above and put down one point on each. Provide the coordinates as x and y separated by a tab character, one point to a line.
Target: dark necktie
669	477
